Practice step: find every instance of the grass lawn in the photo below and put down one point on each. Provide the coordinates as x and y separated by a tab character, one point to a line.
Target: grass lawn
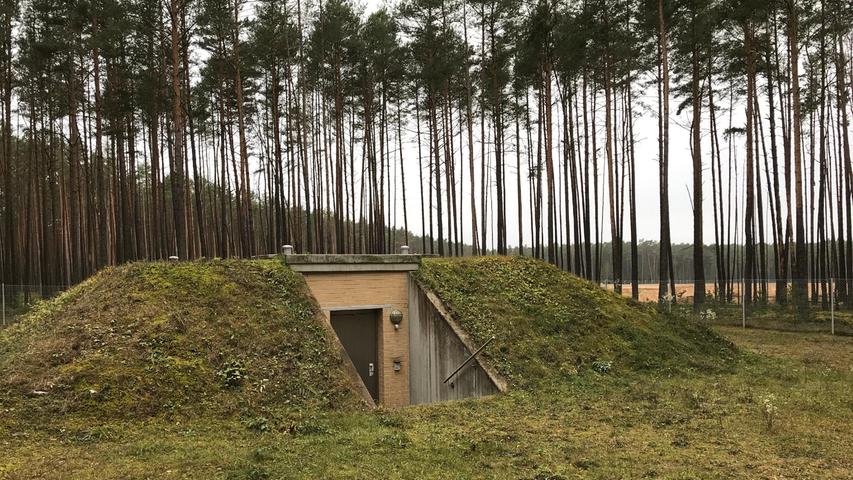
593	425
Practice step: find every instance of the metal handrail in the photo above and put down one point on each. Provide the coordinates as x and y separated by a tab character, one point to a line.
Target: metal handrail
468	360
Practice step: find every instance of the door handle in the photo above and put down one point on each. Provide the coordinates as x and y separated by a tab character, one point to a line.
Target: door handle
370	369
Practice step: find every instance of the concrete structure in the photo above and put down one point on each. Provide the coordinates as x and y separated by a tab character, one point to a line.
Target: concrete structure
441	346
367	300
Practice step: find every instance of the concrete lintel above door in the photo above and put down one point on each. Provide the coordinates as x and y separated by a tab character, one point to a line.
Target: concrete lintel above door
352	263
357	307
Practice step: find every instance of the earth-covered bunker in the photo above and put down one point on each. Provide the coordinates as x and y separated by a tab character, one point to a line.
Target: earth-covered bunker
404	345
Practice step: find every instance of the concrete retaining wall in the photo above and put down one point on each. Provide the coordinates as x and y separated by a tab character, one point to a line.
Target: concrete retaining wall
437	346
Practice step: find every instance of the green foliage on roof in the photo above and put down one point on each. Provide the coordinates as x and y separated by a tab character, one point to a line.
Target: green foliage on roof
155	339
549	324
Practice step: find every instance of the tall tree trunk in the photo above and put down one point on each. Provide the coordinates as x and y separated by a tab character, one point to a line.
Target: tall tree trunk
177	175
801	257
549	163
665	257
698	240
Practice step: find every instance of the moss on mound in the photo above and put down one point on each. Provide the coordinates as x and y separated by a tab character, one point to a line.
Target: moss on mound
148	339
549	324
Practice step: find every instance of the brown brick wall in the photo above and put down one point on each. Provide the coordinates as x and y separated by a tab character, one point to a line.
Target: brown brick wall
386	290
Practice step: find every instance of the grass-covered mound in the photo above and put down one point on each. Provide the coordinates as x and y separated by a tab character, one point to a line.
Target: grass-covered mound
549	324
150	339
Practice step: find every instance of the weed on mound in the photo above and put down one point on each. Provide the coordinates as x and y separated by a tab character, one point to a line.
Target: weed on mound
149	339
549	324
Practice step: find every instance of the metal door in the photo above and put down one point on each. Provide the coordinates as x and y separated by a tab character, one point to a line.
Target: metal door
357	331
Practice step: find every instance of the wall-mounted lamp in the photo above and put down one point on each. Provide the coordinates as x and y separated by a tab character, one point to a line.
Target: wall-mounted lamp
396	318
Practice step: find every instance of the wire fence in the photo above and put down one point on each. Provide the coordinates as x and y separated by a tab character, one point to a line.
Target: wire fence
825	307
16	300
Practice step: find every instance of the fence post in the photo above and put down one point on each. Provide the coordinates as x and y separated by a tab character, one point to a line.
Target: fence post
742	304
832	305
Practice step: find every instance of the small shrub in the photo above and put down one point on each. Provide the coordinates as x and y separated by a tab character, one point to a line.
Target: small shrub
257	424
389	419
696	400
708	315
667	301
602	366
680	440
231	374
769	411
260	455
394	440
308	426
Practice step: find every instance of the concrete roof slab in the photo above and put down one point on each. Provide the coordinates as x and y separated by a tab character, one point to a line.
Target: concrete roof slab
352	262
